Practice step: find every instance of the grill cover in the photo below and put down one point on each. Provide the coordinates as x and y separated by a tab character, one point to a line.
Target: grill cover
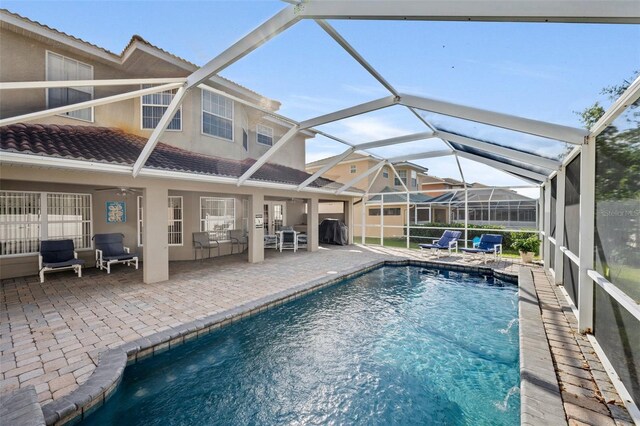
333	231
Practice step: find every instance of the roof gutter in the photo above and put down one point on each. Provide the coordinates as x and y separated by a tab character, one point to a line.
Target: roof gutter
13	158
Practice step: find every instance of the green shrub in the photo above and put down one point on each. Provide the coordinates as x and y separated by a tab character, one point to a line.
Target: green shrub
525	242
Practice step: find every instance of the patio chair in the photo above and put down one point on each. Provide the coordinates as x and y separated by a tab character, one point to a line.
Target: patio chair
238	238
489	244
448	241
58	255
202	240
288	240
272	241
302	240
110	250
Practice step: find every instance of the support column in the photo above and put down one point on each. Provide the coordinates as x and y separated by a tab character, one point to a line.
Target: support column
547	224
313	239
540	219
155	250
349	218
558	267
587	230
364	218
256	232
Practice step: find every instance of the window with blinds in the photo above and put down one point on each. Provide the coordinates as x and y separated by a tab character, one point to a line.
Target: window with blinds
217	115
155	105
26	218
60	67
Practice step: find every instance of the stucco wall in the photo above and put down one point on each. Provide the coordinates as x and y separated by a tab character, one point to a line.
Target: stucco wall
31	179
23	59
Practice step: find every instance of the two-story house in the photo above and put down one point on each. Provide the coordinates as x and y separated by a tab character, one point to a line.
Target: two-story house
70	174
394	215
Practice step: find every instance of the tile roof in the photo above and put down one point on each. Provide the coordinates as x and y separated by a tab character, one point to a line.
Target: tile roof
113	146
392	196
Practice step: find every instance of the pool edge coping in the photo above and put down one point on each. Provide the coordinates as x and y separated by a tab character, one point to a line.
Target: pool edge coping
105	379
540	397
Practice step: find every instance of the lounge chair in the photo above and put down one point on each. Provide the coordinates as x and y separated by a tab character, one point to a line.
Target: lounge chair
448	241
110	250
489	244
238	238
202	240
58	255
288	240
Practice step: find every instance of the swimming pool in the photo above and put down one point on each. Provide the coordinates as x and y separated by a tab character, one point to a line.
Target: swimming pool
397	345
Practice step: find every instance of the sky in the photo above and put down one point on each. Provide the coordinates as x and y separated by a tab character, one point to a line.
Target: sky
540	71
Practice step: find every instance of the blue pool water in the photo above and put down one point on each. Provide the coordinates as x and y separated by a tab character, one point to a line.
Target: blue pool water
398	345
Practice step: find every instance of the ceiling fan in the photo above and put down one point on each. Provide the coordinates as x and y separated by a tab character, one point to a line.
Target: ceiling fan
120	191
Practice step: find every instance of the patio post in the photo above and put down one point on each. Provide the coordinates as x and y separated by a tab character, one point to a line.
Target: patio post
313	234
256	228
558	265
349	218
547	224
155	249
587	231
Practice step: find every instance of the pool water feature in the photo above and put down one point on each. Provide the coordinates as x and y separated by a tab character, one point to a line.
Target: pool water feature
397	345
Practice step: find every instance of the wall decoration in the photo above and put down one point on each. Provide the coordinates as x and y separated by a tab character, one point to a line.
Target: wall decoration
116	212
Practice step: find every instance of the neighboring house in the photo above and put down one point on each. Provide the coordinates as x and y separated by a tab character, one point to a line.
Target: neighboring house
62	173
356	165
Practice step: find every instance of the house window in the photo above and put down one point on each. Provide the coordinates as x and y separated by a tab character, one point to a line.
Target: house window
217	115
414	179
390	211
175	221
264	135
61	68
385	173
154	107
175	229
26	218
403	176
353	169
245	140
217	216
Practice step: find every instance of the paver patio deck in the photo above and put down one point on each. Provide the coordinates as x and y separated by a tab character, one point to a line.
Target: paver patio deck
51	333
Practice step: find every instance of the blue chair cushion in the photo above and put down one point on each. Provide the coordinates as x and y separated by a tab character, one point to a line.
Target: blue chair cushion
56	251
63	264
489	241
110	244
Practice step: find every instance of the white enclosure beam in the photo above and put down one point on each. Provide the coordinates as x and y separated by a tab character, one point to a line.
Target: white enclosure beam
546	225
349	112
558	261
500	150
256	38
397	176
87	104
357	179
600	11
627	98
325	168
502	166
539	128
263	159
393	141
265	32
587	226
526	179
351	51
14	85
420	155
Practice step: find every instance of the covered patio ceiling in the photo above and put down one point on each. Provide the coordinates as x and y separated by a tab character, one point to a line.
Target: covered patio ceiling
528	166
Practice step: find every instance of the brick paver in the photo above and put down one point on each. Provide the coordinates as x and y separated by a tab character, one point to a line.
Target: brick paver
577	366
51	333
